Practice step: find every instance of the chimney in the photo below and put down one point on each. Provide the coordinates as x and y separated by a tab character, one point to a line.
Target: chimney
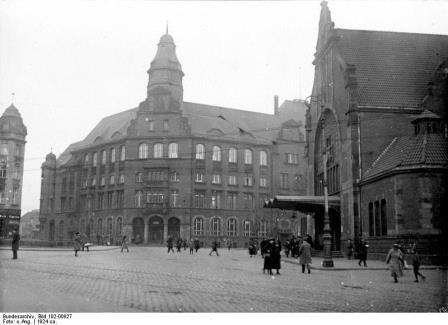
276	104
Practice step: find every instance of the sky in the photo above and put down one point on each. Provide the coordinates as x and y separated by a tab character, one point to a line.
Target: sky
71	63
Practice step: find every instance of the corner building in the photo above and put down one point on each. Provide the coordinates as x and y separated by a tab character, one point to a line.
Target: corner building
12	151
174	168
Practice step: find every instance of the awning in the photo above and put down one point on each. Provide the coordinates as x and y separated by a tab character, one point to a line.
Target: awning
305	204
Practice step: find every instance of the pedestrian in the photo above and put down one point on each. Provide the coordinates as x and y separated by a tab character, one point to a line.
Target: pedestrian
309	239
184	244
276	257
286	249
349	249
267	250
178	244
252	248
305	255
416	262
124	244
169	244
362	253
214	248
77	243
191	246
229	244
15	244
395	257
197	245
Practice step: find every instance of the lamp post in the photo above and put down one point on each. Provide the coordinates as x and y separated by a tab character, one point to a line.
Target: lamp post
328	260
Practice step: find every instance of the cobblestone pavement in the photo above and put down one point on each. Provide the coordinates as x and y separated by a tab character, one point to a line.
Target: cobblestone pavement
149	280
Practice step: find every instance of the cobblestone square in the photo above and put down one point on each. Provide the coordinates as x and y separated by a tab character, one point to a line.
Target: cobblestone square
147	279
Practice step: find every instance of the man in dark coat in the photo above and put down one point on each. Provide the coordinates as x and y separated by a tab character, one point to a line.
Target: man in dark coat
15	244
362	253
196	245
275	256
267	251
169	243
214	248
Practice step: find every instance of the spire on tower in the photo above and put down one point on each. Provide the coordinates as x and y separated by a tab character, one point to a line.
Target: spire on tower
166	27
12	98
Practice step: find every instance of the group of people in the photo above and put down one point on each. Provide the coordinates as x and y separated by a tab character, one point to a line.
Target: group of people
293	245
192	244
396	260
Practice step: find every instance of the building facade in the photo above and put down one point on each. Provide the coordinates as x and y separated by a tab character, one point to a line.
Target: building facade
12	150
371	90
174	168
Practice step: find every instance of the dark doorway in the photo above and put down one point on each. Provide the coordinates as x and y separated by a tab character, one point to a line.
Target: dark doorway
156	229
51	231
138	230
174	227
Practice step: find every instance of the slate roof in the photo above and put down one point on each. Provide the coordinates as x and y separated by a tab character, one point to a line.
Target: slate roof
410	152
392	68
233	123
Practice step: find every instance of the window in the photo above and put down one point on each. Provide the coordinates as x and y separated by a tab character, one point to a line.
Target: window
155	197
109	226
156	176
151	126
174	177
216	179
174	198
248	181
263	182
371	220
248	157
166	125
383	213
246	228
84	183
142	151
233	153
110	200
95	159
3	169
231	227
103	157
232	180
86	159
94	181
172	150
102	181
377	219
120	196
121	179
15	195
112	155
139	177
199	178
216	153
200	151
112	180
215	225
122	153
199	199
284	182
119	227
232	200
100	227
198	226
248	199
216	200
61	230
138	199
292	158
263	158
263	229
158	150
100	202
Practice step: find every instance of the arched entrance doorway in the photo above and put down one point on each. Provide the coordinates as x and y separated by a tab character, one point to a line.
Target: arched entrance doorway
51	231
155	230
138	230
174	227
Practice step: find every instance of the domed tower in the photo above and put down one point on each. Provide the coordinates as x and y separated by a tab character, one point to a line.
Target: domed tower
47	193
165	90
12	150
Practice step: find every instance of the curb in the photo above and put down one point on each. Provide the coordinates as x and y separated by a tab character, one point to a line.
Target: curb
59	249
426	267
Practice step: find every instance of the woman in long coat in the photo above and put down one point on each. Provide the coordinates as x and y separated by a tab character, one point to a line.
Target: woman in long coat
15	244
305	256
77	245
268	248
395	257
275	256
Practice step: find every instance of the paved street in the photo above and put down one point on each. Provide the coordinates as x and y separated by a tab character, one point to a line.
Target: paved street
149	280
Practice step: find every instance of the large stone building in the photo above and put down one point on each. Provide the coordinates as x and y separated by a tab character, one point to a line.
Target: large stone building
174	168
12	150
379	110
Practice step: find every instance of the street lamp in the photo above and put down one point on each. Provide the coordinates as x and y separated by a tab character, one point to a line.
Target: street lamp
328	260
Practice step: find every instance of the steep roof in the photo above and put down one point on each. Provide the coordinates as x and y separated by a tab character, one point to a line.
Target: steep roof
410	152
231	123
392	69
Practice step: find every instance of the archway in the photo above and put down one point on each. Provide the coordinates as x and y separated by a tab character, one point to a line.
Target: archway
51	231
174	227
138	230
155	229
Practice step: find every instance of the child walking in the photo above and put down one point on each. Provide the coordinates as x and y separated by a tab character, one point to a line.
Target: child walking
416	265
